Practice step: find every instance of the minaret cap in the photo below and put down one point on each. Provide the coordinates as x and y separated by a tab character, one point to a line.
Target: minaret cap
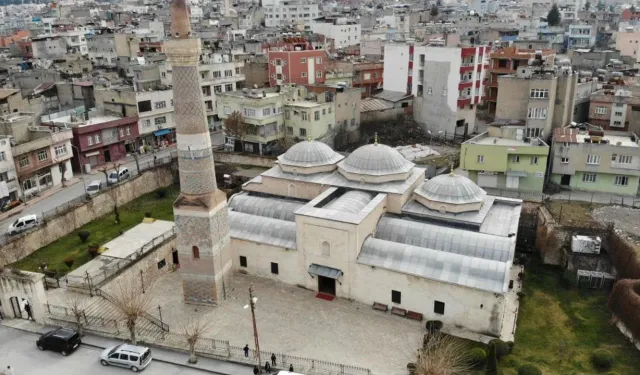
180	22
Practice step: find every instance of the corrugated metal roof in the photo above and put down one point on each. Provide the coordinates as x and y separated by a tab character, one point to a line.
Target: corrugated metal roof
332	273
275	208
263	230
392	96
5	93
373	104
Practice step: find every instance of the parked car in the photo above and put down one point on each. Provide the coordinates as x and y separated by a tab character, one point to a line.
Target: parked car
63	340
95	187
120	175
22	224
133	357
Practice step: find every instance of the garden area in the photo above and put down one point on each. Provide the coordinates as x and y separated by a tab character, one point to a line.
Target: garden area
561	330
72	251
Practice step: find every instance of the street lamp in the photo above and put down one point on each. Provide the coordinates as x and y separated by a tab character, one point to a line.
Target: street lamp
252	305
81	174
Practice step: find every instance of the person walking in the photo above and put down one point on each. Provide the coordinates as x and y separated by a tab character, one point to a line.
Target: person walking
27	309
246	350
291	367
273	359
267	367
256	370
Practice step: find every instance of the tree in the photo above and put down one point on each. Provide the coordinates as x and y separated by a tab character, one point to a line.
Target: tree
601	5
587	5
113	193
632	9
234	126
553	17
492	360
127	297
434	11
194	331
76	306
442	355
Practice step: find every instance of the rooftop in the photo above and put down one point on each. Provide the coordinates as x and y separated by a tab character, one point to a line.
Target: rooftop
503	142
575	135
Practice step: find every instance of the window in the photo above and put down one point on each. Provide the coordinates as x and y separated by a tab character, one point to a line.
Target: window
537	113
206	91
161	104
146	123
324	111
237	71
162	263
60	150
534	160
196	252
617	123
429	90
304	116
266	112
480	159
516	158
24	161
303	132
539	93
287	114
217	89
438	307
601	110
318	60
274	268
250	112
624	159
316	115
144	106
618	114
227	110
124	357
619	105
228	87
228	73
396	296
303	60
217	74
289	129
89	141
622	180
96	138
319	74
128	130
159	121
278	62
589	177
42	155
564	160
243	261
3	157
303	74
329	110
593	159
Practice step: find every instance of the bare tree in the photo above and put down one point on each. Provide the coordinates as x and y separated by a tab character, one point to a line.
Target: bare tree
442	355
194	330
113	193
76	305
234	126
127	295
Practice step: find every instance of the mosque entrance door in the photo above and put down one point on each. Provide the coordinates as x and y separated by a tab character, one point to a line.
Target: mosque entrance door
326	285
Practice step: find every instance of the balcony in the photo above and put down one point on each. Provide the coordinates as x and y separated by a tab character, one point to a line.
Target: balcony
465	68
627	166
505	70
465	84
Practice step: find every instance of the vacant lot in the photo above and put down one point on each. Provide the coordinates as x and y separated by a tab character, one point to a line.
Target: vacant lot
102	231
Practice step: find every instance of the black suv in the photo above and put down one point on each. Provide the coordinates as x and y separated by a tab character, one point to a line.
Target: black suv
63	340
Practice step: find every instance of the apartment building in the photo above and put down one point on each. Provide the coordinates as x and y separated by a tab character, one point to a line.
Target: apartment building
290	12
596	161
505	61
346	106
447	83
365	75
539	98
50	47
611	109
299	67
344	32
104	47
503	158
581	35
9	187
309	119
42	154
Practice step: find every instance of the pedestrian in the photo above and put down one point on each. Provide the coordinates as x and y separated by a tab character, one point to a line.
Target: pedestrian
9	370
267	367
246	350
256	370
273	359
291	368
27	309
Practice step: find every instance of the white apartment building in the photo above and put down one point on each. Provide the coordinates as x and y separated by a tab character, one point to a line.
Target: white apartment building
9	188
581	36
156	120
76	41
343	31
291	12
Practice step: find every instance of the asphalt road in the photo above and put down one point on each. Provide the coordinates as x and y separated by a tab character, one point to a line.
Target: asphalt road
18	350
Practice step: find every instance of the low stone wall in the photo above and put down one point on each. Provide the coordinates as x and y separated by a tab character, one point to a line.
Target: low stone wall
23	245
244	159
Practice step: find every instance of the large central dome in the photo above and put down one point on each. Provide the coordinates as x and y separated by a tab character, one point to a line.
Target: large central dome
451	193
375	163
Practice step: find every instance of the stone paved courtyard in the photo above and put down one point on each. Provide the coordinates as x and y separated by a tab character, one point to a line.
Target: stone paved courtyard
292	321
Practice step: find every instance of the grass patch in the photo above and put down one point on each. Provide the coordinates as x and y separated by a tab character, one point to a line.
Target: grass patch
573	213
559	329
102	231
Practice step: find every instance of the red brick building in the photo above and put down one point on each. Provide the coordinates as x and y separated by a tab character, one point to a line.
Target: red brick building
300	67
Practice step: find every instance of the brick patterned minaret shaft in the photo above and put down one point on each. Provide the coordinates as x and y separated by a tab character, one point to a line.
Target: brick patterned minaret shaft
201	209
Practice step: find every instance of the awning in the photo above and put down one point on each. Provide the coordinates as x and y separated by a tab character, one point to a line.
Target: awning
517	174
96	153
158	133
332	273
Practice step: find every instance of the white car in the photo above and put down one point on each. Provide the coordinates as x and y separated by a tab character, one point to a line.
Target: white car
22	224
95	187
132	357
115	177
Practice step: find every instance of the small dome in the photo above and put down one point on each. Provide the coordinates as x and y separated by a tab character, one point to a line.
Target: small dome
375	160
309	154
452	189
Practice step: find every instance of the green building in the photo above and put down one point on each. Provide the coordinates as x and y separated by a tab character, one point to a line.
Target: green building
503	158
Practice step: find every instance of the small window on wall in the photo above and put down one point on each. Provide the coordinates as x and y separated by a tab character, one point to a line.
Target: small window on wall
274	268
196	252
396	296
243	261
438	307
161	264
326	249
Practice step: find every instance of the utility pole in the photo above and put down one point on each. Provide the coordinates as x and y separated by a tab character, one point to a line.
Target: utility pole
252	304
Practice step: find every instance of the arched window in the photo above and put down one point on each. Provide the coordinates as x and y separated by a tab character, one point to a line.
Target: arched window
292	190
326	249
196	252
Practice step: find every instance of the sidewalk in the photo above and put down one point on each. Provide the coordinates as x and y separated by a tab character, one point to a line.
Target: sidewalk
210	365
43	195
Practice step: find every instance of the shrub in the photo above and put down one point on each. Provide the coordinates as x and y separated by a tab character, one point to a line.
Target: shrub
568	278
502	348
434	326
69	262
477	357
162	192
529	370
84	235
521	295
521	275
492	361
510	345
93	250
602	359
147	214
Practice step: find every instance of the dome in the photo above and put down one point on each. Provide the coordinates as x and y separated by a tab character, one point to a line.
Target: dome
375	160
452	189
308	154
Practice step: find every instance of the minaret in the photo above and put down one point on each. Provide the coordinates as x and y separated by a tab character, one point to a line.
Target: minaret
201	209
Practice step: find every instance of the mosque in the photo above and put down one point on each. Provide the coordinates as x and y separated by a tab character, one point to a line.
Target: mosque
368	227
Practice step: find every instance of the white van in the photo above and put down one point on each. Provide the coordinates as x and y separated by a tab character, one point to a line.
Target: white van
132	357
22	224
115	177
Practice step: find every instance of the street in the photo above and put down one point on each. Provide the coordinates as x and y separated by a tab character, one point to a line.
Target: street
18	350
